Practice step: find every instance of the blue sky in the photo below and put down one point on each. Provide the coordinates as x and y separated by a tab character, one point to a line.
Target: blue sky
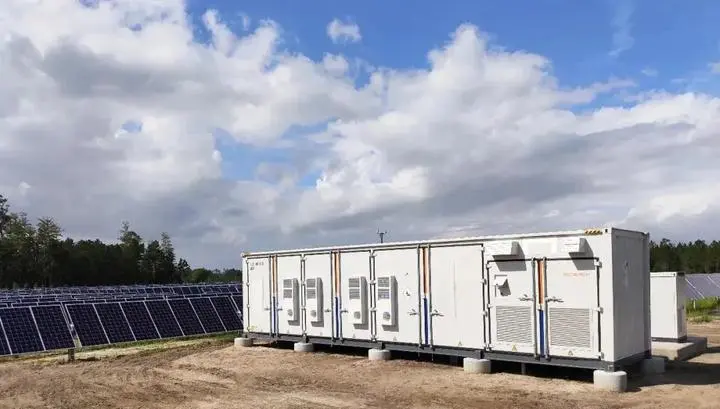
668	38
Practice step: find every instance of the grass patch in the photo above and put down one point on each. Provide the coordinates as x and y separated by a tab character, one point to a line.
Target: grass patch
700	318
704	306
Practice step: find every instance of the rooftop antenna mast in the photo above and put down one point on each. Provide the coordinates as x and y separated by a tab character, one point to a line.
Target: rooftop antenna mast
382	235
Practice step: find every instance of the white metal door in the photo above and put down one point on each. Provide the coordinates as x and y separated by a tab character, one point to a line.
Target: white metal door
353	275
570	299
397	317
289	289
258	296
457	296
318	268
512	306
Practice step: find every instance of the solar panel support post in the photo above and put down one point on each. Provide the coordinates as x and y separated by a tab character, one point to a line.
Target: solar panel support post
71	355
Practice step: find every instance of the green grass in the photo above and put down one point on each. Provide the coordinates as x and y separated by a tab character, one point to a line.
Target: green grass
702	310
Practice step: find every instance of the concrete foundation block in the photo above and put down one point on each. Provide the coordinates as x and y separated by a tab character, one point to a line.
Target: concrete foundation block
652	366
303	347
472	365
610	381
378	354
243	342
680	351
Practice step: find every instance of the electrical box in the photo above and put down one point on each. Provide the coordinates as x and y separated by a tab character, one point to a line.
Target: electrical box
387	300
357	298
290	299
314	299
667	306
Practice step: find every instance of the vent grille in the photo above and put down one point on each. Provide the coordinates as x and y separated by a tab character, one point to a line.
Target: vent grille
383	288
288	288
311	288
570	327
354	288
514	324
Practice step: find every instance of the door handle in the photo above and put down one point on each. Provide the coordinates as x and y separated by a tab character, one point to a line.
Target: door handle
412	312
553	299
525	298
327	310
435	312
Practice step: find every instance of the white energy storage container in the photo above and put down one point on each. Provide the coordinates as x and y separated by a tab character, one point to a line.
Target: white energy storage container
667	306
576	298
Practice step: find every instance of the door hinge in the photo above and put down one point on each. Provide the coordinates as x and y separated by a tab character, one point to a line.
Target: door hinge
598	263
598	309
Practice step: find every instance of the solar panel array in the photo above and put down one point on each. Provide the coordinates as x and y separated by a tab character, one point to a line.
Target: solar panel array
39	320
702	286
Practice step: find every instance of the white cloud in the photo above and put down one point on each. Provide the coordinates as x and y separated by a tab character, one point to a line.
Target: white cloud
340	32
622	38
106	123
715	67
649	72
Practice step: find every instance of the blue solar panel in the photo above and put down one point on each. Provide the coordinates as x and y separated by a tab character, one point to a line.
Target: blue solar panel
208	315
702	286
87	324
4	348
114	322
186	317
140	321
164	319
228	313
20	329
53	329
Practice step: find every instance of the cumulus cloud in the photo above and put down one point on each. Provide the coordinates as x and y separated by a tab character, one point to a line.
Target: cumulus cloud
114	111
340	32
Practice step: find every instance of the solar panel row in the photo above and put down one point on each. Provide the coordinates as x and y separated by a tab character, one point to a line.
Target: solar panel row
33	329
109	323
702	286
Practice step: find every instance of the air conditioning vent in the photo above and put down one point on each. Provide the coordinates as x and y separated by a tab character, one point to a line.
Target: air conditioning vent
387	300
314	299
357	299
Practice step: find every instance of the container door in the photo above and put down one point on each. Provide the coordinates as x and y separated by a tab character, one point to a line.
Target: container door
570	297
512	306
258	298
397	312
318	295
456	275
353	274
289	287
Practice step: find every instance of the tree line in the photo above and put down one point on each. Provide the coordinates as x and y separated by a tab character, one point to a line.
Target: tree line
691	257
37	254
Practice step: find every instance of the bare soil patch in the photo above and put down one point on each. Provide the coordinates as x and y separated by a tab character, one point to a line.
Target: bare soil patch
214	374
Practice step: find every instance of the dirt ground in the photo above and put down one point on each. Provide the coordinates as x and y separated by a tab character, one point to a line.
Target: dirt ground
214	374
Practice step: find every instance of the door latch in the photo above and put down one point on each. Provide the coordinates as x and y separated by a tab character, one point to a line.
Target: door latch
525	298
